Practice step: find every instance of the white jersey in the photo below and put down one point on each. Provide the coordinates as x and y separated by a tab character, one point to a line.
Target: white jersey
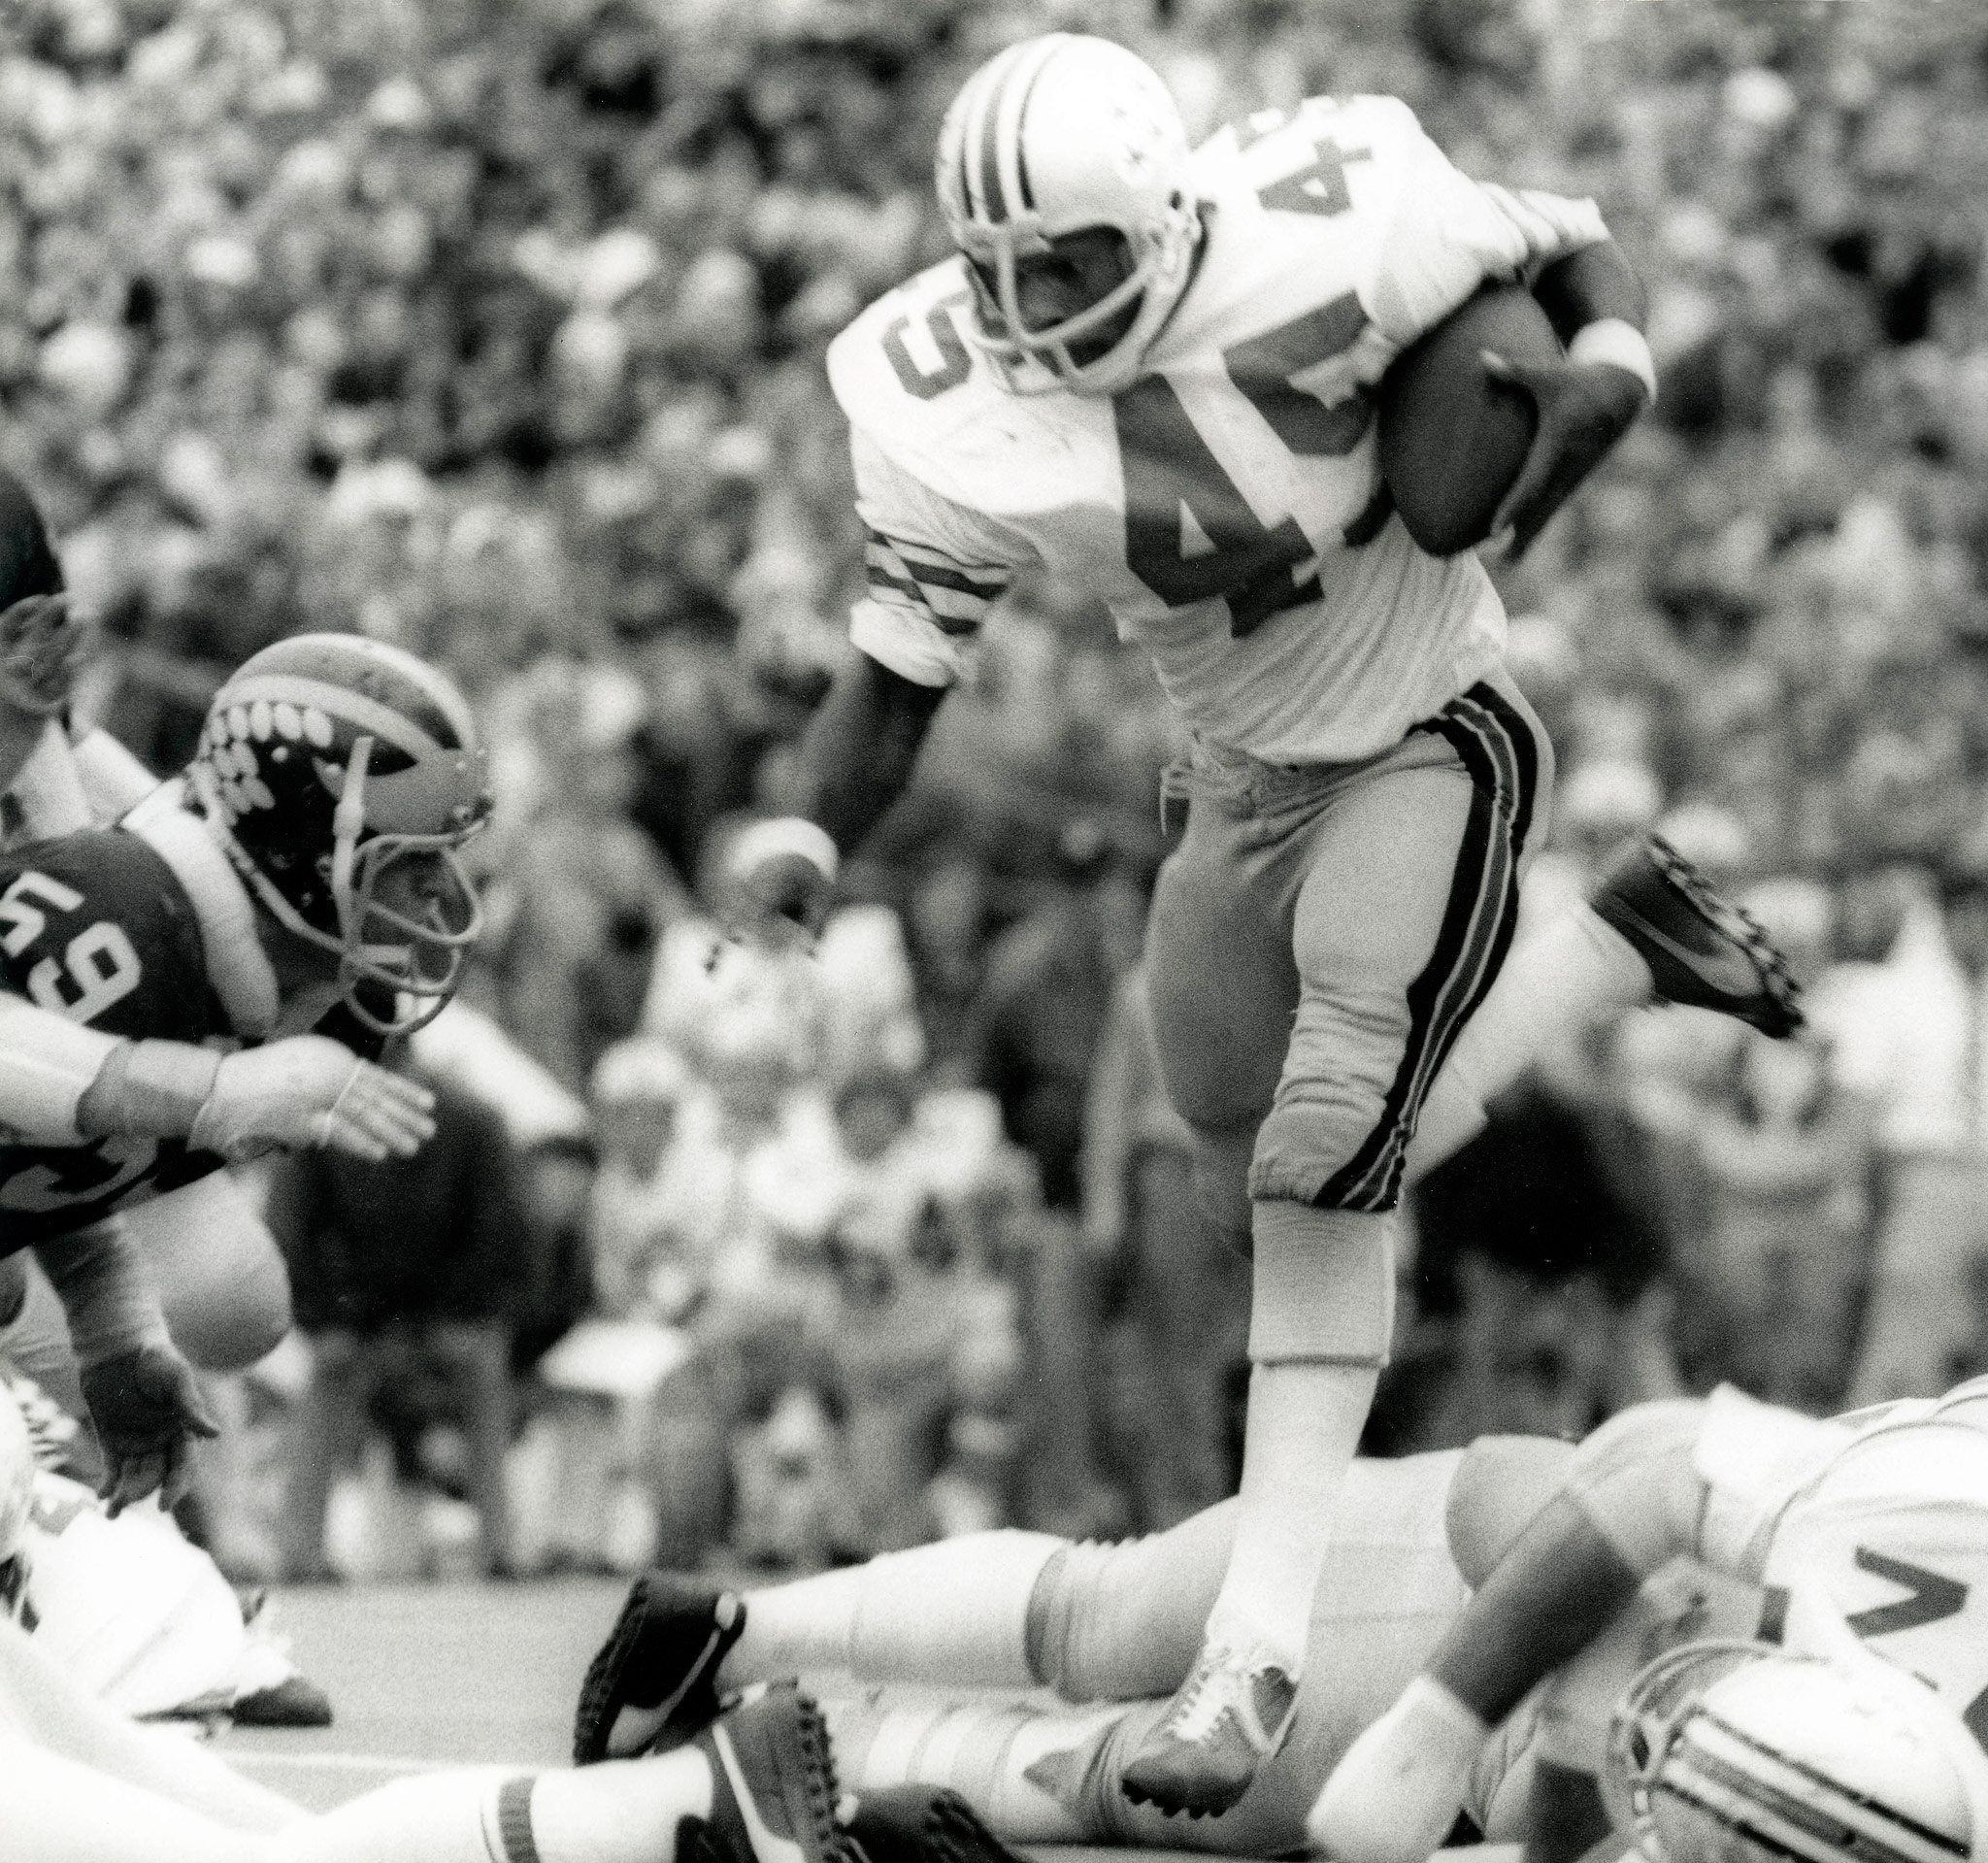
1885	1511
1228	506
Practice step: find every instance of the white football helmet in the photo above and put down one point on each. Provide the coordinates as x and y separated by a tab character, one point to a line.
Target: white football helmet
1732	1753
1055	135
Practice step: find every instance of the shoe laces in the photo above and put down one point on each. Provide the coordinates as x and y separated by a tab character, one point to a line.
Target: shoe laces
1205	1700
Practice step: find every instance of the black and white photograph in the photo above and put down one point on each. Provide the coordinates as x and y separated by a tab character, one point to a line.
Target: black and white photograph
971	931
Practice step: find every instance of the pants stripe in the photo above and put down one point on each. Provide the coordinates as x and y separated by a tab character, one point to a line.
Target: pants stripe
514	1819
1496	746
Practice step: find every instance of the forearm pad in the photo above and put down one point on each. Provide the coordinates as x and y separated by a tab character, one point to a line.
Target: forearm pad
151	1089
108	1296
48	1064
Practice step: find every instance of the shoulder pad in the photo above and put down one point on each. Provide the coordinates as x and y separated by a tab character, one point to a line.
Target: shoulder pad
96	927
911	382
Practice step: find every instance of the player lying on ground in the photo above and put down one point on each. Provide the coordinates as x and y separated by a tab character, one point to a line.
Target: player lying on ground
1150	372
1884	1514
129	1608
80	1784
1885	1510
303	870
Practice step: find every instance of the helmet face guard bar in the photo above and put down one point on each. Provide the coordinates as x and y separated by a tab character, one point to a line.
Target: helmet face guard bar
357	870
1004	335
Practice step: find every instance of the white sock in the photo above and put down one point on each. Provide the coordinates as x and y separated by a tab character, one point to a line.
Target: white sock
1560	981
1395	1795
957	1609
1321	1309
1030	1772
625	1811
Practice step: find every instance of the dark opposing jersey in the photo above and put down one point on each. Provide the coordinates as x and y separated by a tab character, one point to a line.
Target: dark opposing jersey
97	927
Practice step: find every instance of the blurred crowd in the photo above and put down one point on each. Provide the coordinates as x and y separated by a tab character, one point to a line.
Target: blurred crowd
495	330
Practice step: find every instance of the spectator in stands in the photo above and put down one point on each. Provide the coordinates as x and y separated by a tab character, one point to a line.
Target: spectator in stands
410	1264
1929	1072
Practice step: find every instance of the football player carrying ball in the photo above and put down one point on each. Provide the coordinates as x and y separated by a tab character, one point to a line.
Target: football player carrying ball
1152	371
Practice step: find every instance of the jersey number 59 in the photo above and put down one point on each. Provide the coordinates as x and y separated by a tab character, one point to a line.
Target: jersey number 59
98	965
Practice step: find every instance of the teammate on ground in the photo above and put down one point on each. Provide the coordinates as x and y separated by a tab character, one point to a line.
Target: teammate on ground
304	868
1885	1510
1150	372
1883	1516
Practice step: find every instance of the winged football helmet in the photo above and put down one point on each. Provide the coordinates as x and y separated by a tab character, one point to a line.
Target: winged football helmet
342	778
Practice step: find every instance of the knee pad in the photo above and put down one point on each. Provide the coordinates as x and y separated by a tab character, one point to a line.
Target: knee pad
1635	1478
1323	1285
1122	1620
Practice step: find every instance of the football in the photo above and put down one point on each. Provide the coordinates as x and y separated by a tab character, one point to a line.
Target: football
1452	439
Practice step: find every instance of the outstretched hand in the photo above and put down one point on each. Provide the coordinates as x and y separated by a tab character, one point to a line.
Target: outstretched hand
147	1408
1584	409
42	647
308	1091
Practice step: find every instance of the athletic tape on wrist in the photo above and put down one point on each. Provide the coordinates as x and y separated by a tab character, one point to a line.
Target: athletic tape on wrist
155	1089
785	834
47	1063
1615	340
1321	1285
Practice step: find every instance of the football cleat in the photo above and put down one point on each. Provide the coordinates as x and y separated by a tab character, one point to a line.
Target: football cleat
659	1666
1702	950
294	1702
923	1824
774	1793
1229	1717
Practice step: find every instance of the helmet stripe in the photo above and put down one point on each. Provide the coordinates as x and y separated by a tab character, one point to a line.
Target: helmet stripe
1012	106
980	150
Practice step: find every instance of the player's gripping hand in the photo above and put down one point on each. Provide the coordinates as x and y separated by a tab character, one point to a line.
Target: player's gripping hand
308	1091
146	1407
41	649
779	882
1584	408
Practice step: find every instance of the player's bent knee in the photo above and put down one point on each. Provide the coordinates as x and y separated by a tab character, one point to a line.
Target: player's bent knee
1221	1181
1501	1485
1323	1285
220	1275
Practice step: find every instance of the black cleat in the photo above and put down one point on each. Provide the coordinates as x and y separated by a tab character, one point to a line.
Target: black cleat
1229	1717
1702	950
661	1659
774	1791
294	1702
924	1824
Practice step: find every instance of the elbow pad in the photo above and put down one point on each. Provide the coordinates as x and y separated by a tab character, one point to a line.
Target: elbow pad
47	1063
1636	1481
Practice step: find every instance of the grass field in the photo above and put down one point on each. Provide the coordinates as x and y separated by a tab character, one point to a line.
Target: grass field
444	1675
429	1675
